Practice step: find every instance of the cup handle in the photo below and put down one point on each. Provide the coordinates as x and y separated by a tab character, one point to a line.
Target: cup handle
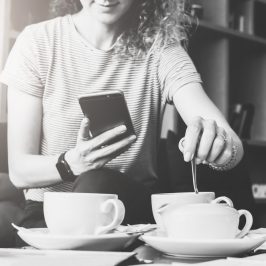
119	214
248	224
225	199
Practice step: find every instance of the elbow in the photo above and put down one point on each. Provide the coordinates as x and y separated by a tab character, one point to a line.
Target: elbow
17	182
18	169
16	178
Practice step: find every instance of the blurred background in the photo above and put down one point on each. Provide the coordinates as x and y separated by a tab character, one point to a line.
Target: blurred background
228	47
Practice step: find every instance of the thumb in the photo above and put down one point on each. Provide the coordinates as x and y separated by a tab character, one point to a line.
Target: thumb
84	133
181	144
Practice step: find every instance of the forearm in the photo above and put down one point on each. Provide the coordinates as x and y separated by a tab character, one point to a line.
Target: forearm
29	171
238	146
27	168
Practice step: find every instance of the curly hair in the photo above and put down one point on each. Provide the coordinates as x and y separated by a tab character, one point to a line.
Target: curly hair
163	21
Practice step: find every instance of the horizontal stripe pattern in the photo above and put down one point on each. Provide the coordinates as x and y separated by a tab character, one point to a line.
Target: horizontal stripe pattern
51	60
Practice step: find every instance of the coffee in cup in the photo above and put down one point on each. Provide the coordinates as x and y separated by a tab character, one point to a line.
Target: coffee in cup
82	213
204	221
182	198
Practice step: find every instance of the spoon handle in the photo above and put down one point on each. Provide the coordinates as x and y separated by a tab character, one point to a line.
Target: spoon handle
194	174
193	166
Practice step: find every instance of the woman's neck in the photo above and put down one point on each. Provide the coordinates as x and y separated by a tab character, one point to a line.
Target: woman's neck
99	35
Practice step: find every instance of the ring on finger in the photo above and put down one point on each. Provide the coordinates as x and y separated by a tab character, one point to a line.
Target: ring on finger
222	136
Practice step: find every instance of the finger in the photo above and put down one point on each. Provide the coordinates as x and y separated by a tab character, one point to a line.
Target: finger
104	160
181	144
101	162
218	145
206	140
97	164
100	140
98	158
226	154
84	133
114	149
191	138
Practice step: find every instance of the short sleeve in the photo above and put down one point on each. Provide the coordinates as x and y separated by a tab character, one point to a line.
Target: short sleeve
21	70
176	69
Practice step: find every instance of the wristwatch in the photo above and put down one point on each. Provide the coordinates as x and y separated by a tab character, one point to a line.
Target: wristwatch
64	169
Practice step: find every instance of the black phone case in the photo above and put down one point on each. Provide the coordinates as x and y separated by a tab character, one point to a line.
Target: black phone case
106	111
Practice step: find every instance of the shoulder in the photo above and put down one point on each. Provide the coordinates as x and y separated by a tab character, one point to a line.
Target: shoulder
173	50
174	54
45	31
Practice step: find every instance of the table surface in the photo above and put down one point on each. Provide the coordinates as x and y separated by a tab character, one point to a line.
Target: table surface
142	255
35	257
151	256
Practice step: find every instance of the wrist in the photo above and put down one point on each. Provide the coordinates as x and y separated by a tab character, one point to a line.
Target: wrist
71	159
64	169
231	163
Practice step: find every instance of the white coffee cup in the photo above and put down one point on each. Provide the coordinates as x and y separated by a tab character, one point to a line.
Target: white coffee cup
82	213
182	198
204	221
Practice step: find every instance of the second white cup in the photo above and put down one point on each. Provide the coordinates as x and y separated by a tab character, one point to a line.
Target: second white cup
204	221
182	198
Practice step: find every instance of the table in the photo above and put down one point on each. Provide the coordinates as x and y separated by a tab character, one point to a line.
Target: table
142	255
34	257
148	254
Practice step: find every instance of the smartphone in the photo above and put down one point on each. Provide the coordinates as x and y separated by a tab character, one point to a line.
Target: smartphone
106	110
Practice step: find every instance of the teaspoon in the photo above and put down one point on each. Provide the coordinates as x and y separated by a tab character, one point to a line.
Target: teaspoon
194	175
193	166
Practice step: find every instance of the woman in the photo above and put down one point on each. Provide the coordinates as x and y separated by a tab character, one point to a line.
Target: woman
132	46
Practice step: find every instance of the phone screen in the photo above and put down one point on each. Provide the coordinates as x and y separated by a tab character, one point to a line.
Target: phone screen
106	111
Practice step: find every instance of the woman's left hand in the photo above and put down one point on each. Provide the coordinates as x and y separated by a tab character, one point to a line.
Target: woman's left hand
207	141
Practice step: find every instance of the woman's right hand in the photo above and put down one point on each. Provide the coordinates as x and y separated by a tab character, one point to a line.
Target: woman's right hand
92	153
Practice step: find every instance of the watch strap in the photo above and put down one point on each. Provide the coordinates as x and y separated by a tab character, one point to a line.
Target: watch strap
64	169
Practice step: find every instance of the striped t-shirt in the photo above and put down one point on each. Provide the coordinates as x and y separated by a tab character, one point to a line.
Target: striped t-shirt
53	61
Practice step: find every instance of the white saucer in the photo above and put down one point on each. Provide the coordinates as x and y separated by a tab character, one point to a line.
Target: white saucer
41	238
213	248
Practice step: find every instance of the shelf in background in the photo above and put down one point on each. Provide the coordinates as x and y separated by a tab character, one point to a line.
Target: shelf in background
261	1
203	25
260	201
256	143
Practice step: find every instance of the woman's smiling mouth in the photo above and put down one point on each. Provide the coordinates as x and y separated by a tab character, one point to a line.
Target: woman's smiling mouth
107	3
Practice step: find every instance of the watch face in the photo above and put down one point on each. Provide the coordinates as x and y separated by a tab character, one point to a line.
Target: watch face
64	169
